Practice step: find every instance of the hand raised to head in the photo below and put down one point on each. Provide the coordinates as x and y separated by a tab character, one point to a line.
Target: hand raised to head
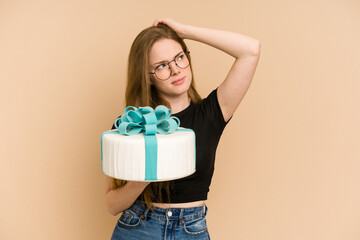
177	27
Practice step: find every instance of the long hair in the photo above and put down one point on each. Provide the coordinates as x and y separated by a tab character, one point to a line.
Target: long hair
140	92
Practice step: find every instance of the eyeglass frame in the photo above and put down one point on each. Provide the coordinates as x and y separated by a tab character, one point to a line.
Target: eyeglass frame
174	60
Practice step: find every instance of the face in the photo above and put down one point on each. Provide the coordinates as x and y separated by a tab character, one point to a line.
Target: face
177	85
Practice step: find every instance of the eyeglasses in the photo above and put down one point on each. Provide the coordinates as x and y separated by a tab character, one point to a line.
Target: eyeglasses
163	71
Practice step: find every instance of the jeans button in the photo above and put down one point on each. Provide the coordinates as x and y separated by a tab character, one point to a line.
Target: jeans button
169	213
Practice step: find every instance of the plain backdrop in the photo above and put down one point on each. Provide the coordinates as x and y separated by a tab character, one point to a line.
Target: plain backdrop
288	164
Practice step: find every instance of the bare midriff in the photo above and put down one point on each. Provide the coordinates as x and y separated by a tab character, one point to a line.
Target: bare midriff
179	205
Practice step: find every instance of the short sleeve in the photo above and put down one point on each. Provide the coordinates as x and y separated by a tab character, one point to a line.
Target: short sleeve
212	110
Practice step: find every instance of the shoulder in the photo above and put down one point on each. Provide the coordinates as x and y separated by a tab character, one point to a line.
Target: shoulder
209	107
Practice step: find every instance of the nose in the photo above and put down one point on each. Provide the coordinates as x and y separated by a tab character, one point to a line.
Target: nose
174	68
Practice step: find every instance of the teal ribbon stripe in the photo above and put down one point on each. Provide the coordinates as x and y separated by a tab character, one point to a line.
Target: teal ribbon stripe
150	161
150	122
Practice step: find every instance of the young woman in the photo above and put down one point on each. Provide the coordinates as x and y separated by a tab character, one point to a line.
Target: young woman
160	72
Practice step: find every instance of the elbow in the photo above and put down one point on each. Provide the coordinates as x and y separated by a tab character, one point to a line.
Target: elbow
110	207
112	211
259	47
256	48
253	49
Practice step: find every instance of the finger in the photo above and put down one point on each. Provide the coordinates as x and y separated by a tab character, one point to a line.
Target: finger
159	21
156	22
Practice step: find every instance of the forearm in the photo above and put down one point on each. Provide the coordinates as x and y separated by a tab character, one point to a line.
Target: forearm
234	44
122	198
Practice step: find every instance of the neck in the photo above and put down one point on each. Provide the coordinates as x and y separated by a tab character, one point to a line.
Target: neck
179	103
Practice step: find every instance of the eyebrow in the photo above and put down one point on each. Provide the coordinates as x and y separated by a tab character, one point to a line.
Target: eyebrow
166	60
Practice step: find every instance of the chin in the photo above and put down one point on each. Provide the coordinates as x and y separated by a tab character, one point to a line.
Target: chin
184	88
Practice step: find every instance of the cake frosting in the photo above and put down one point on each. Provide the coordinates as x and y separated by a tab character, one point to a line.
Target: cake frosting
148	145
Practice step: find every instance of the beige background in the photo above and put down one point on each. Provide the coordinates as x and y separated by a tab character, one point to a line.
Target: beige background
288	164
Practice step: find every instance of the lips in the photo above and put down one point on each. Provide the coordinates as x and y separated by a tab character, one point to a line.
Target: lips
178	81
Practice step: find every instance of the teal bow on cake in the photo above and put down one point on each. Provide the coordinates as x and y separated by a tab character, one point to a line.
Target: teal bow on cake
147	120
150	122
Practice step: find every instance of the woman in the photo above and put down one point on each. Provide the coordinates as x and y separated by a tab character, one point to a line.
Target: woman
160	72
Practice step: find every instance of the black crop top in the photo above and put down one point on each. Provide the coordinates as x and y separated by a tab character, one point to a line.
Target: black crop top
206	120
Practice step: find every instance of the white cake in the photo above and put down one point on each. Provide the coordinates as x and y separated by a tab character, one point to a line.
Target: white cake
125	157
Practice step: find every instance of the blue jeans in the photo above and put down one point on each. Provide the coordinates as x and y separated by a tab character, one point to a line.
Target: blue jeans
138	222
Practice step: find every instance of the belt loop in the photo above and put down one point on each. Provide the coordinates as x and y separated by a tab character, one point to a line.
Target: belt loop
181	216
145	213
206	209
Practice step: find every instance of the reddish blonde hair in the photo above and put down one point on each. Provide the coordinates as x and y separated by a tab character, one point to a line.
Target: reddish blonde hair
140	92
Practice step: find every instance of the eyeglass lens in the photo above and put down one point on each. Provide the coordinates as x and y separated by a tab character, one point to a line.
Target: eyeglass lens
163	71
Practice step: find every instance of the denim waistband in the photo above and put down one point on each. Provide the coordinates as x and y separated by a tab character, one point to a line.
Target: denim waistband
165	214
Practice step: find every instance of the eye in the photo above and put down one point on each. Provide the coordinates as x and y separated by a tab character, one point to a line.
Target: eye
161	66
180	57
